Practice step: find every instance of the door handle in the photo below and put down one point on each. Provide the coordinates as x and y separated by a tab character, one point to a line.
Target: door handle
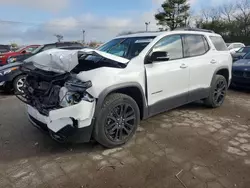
213	61
183	66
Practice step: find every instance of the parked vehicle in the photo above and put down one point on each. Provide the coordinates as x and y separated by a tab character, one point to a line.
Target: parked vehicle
4	48
240	53
234	47
23	50
12	78
105	93
241	72
67	45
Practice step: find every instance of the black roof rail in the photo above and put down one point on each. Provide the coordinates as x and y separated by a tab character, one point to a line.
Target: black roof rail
193	29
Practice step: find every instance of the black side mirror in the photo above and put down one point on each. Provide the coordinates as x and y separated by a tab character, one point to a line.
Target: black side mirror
240	57
24	52
159	56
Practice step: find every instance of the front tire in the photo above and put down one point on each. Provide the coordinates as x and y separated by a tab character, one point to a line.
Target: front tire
117	121
217	92
18	83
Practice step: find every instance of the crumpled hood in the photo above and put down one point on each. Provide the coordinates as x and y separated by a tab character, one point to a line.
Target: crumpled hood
61	61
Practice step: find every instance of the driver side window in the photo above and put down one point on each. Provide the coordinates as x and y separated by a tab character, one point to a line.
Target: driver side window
172	45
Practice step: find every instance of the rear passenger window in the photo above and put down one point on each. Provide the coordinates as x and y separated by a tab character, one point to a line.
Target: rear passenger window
219	43
195	45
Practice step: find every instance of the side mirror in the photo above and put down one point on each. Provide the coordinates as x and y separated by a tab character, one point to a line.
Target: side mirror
24	52
159	56
240	57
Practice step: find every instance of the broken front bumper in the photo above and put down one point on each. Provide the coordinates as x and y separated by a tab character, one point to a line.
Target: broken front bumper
69	124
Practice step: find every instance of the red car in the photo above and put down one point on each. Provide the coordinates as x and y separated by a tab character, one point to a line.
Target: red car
23	50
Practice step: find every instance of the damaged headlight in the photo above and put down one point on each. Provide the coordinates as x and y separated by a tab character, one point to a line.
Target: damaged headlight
74	91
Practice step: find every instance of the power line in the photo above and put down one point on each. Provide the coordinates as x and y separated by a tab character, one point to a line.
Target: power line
79	25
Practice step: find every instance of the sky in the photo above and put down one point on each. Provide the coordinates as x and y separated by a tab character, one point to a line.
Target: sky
37	21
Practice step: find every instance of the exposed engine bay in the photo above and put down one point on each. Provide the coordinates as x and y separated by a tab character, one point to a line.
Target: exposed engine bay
57	93
47	91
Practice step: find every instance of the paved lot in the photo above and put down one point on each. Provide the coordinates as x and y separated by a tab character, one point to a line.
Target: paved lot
210	149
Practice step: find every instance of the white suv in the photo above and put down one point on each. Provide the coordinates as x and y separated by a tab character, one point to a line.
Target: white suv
103	94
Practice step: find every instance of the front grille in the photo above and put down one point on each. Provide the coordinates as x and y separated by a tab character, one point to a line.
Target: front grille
245	74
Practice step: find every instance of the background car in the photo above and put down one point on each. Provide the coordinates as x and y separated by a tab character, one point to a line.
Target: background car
12	78
23	50
241	72
240	53
4	49
233	47
65	45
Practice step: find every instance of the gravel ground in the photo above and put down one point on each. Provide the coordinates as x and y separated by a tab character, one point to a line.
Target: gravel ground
192	146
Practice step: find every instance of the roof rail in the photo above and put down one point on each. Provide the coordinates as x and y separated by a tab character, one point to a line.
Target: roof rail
193	29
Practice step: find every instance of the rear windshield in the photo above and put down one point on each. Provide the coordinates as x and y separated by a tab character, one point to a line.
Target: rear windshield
219	43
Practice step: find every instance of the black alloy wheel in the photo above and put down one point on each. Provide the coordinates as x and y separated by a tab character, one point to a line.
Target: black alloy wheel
220	92
117	120
120	122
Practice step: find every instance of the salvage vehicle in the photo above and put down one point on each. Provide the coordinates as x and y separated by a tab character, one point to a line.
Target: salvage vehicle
240	53
23	50
241	72
12	78
104	93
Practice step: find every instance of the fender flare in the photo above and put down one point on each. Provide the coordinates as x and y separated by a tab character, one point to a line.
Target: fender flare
217	70
113	88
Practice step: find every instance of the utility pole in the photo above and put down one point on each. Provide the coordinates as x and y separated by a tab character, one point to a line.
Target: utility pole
147	24
59	37
83	36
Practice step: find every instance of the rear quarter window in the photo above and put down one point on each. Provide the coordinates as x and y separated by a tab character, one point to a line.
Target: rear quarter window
219	43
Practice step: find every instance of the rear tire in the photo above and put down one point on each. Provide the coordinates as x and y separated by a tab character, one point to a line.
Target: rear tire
217	92
117	121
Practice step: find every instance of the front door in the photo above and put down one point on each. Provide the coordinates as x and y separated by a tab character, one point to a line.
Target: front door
167	81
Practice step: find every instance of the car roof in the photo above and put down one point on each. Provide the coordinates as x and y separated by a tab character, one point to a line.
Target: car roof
155	34
62	43
141	34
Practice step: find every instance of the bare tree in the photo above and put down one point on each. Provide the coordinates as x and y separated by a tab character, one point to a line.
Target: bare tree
228	10
205	13
214	14
59	37
243	15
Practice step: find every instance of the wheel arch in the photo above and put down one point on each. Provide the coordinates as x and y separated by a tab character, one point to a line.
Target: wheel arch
223	71
131	89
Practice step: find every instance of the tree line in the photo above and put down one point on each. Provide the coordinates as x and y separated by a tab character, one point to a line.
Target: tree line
231	20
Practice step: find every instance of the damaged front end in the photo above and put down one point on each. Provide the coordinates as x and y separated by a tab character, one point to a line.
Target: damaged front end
59	103
57	99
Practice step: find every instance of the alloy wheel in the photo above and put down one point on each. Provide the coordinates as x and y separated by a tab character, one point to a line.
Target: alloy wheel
220	92
120	122
20	84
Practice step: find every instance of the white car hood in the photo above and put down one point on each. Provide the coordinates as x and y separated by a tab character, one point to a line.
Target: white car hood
61	61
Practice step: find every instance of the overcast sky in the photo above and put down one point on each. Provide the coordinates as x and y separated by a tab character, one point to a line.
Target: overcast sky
36	21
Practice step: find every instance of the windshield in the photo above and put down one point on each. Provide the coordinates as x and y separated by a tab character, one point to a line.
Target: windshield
244	50
126	47
247	56
20	49
37	50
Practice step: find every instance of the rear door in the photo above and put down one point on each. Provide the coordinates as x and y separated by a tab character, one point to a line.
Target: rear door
200	59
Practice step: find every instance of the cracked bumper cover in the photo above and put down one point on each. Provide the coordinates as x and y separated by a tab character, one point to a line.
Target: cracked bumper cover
74	123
